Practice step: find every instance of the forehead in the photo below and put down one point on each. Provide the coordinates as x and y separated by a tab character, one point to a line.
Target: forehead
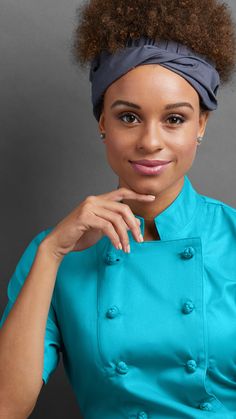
150	82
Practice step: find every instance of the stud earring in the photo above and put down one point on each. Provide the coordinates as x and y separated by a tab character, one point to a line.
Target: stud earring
199	140
102	135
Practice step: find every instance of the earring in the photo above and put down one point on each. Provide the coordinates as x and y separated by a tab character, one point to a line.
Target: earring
102	135
199	140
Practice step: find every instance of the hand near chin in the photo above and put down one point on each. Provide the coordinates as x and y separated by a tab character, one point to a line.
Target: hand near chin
95	217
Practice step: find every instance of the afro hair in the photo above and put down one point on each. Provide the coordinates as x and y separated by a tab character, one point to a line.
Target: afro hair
206	26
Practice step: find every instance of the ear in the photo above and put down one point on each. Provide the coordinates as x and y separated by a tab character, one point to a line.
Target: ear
203	119
101	123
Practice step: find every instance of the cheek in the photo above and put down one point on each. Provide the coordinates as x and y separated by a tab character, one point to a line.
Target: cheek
186	154
114	149
184	147
114	152
118	145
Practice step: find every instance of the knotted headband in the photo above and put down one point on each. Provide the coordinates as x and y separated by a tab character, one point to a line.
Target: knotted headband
198	70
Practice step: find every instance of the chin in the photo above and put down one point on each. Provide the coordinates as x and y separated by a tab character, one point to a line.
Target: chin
144	189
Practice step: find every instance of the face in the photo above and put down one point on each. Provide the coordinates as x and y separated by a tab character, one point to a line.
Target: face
148	130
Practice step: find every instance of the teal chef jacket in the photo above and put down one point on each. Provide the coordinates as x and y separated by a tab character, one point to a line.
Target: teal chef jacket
150	334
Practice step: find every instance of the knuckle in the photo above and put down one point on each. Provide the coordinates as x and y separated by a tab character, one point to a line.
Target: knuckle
126	208
124	191
88	202
89	198
83	210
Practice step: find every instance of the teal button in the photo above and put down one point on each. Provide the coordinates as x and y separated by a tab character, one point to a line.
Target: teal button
188	307
122	367
112	312
188	253
191	365
205	406
142	415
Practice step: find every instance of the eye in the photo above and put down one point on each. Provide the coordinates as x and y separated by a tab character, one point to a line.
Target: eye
130	115
176	117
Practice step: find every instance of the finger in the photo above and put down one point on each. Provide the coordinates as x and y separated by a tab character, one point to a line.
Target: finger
97	222
118	224
125	213
125	193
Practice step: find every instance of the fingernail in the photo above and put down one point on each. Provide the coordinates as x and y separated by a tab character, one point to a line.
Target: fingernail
141	237
120	246
151	196
128	248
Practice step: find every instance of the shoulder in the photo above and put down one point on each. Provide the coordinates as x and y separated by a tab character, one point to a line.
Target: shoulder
220	211
217	204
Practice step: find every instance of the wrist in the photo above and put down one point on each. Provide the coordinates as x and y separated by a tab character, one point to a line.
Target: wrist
47	248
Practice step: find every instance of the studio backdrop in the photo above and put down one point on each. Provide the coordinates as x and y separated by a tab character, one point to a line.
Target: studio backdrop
51	153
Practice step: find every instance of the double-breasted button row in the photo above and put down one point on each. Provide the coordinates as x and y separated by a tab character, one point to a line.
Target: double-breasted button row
187	308
122	367
113	311
112	257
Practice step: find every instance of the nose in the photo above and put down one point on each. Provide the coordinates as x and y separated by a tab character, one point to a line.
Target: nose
151	139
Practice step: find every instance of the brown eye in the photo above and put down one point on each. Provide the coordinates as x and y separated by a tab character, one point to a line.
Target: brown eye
176	118
129	115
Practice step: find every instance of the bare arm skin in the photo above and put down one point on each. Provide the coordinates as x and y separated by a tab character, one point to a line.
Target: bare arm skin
22	339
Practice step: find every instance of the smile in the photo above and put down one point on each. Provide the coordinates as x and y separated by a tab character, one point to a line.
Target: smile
149	170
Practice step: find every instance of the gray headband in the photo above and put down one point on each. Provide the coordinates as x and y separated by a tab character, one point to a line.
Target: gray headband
199	71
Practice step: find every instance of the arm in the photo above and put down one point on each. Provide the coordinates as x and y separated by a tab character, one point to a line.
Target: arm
22	339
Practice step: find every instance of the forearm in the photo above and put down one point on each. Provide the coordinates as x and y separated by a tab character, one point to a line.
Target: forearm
22	338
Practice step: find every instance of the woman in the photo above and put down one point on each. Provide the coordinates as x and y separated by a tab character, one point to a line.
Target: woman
145	331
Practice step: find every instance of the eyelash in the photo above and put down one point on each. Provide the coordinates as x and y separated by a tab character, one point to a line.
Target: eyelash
171	116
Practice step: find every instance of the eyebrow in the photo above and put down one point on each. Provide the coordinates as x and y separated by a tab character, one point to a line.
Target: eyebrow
168	106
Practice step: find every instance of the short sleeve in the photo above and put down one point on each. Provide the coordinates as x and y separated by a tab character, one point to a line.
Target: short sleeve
52	341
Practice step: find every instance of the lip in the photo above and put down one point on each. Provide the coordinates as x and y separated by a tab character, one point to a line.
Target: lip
150	163
149	170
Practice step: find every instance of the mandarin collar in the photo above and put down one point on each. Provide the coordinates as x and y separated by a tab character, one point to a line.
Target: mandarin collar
171	222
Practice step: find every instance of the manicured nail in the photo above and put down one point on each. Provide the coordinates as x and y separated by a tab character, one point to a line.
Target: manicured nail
141	238
120	246
128	248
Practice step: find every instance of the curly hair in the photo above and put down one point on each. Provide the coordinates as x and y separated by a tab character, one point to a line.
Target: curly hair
206	26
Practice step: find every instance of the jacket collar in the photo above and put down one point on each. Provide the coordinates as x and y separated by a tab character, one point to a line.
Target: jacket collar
171	222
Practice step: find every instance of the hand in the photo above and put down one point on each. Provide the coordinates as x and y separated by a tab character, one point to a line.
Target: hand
95	217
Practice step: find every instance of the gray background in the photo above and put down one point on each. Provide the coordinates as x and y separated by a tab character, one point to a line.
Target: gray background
51	154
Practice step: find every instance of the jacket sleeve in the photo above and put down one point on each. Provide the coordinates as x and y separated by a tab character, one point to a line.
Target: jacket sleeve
52	341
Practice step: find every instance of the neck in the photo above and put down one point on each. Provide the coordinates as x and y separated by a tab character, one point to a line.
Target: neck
149	210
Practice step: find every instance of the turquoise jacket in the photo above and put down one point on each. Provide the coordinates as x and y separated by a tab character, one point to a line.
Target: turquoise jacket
150	334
